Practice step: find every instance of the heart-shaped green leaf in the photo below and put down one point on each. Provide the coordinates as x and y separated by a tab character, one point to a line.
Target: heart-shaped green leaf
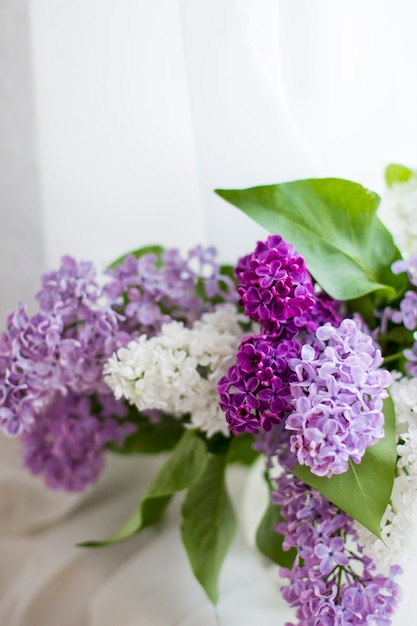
208	525
365	489
182	469
333	224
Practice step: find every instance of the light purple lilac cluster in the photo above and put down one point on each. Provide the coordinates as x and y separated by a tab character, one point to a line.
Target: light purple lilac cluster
331	583
337	399
67	440
62	347
51	363
407	312
319	374
150	291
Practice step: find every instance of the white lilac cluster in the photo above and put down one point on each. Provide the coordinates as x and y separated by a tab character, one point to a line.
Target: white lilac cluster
398	213
400	516
177	370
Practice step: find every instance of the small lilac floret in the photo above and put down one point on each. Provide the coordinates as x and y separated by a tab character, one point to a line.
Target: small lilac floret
409	266
407	315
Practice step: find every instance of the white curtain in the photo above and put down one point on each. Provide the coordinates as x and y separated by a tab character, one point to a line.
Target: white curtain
118	118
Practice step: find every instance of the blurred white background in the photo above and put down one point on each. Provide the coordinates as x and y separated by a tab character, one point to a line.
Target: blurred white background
119	118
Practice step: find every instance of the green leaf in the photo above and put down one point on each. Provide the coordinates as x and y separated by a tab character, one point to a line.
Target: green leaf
183	468
151	438
209	525
269	541
365	489
395	173
333	224
241	449
158	250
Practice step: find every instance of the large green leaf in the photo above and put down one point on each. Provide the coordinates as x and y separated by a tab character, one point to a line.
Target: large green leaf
208	525
333	224
269	541
183	468
365	489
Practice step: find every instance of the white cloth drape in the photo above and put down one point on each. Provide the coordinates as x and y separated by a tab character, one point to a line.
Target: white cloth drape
118	119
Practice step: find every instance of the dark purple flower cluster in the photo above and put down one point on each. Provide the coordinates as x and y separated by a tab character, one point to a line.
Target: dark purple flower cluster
255	393
67	441
331	581
337	399
276	289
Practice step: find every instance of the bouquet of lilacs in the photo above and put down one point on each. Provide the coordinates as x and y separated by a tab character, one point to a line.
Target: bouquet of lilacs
303	354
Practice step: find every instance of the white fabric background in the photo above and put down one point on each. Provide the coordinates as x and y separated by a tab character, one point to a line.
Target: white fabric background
117	121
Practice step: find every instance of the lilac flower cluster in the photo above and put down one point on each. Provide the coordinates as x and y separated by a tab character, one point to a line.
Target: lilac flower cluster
67	441
151	291
51	363
63	346
331	581
276	289
337	399
407	312
324	381
255	393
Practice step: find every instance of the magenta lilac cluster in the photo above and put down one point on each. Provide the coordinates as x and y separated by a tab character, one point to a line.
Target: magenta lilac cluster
255	393
276	290
331	581
275	287
51	383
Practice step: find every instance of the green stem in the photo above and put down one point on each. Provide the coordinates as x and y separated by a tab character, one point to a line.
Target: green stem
393	357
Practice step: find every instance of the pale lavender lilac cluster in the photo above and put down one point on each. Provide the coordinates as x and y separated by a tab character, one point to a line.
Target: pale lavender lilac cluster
319	374
151	291
407	312
51	363
337	399
331	581
62	347
67	440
